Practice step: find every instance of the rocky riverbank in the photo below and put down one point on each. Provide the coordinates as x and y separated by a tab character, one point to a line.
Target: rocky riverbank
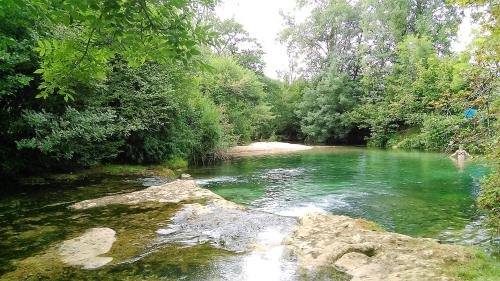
338	247
365	252
355	247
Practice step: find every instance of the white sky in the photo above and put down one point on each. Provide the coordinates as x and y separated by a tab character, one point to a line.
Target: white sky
261	18
465	33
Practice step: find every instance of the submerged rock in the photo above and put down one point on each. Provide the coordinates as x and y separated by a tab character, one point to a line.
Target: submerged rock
359	249
86	249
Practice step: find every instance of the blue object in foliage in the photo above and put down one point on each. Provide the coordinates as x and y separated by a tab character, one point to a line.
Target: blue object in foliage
469	113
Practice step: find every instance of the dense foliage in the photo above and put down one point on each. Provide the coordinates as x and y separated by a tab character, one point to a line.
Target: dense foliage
240	95
148	81
127	73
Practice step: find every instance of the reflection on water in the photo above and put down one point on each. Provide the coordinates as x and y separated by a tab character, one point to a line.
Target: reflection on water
415	193
421	194
267	261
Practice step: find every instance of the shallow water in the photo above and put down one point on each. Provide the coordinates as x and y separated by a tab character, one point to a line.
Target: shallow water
420	194
414	193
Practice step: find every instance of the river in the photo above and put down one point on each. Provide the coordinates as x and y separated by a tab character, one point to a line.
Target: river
414	193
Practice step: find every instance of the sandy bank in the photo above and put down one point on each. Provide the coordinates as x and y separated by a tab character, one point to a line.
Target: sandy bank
264	148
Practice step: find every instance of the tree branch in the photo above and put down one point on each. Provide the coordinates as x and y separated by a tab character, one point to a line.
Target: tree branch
144	9
86	47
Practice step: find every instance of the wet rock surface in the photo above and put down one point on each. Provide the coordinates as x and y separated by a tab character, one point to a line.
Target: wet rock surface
86	249
359	249
173	192
227	228
265	245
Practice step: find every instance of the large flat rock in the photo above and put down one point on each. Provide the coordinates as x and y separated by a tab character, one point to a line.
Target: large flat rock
173	192
86	249
354	247
358	248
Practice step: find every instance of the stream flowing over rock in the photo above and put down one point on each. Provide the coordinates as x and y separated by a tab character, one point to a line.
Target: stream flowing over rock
227	228
316	242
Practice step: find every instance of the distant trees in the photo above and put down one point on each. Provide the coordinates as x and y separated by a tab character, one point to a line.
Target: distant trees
324	105
233	40
385	68
377	65
240	95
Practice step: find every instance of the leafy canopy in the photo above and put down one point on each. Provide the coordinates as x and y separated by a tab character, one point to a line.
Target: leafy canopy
87	35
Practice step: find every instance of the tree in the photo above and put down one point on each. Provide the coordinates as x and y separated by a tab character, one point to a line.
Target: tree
324	106
414	90
360	37
387	23
240	94
19	29
331	35
89	35
148	114
233	40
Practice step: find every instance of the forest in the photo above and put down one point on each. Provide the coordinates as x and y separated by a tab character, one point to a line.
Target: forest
88	82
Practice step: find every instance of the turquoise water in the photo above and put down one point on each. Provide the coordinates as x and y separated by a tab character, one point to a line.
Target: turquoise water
414	193
420	194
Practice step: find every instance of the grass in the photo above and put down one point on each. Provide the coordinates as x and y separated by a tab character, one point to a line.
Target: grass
480	267
176	163
404	138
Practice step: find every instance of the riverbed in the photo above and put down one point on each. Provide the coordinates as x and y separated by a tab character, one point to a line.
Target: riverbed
413	193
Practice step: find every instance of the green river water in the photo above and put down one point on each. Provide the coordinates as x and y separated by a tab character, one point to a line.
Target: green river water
414	193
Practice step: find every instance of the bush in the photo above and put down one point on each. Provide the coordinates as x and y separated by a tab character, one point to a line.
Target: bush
85	137
241	96
438	130
166	115
324	107
145	115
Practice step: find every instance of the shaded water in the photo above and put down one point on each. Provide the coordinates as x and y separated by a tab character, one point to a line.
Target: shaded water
420	194
35	221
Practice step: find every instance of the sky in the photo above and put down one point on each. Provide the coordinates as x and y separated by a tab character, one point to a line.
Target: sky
262	19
